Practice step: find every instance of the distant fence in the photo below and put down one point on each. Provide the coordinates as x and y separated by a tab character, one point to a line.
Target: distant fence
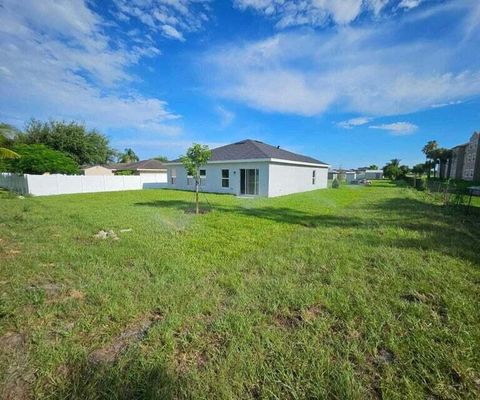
46	185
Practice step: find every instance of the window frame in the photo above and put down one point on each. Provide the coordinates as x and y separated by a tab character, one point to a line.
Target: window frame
173	176
225	179
314	176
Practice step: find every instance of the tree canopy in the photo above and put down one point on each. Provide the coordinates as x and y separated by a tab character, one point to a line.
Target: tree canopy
39	159
82	145
128	156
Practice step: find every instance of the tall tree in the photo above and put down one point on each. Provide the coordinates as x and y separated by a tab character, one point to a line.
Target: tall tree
373	166
128	156
392	169
443	155
429	151
74	139
196	157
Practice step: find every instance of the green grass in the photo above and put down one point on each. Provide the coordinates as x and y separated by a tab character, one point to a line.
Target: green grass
359	292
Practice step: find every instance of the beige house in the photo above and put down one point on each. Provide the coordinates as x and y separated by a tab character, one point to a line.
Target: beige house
145	167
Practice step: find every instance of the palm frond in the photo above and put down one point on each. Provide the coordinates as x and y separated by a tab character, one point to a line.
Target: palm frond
7	153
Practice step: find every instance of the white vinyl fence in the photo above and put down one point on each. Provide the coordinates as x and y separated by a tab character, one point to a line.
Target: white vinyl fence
46	185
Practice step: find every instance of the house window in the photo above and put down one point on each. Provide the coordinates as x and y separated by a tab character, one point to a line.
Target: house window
225	178
189	180
203	176
173	177
314	173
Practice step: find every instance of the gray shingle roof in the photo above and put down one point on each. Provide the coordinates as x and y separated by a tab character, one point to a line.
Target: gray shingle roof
253	149
144	164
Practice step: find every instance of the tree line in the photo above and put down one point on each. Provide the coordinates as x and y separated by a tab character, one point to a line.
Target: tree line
56	147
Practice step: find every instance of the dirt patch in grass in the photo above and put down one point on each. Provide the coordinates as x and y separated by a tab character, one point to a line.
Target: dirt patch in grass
132	334
296	317
436	303
19	376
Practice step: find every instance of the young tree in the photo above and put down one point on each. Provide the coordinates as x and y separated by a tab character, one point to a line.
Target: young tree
39	159
128	156
73	139
196	157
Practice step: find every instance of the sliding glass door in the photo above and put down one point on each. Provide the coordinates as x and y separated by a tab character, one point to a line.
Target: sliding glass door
249	181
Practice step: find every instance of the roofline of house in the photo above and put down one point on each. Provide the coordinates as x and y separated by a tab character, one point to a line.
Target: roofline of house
272	160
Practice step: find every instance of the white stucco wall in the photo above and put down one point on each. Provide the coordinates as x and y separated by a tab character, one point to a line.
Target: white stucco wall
213	182
154	176
275	179
97	170
286	179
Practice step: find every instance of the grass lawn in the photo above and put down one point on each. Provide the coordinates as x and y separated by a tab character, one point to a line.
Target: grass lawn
359	292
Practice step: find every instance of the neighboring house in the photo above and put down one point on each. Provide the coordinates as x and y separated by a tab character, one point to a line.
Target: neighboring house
153	168
147	167
465	161
332	174
370	174
253	168
350	176
106	169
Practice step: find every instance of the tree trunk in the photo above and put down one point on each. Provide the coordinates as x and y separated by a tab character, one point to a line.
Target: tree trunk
197	211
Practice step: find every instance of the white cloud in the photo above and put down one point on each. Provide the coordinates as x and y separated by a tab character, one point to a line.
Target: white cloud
312	12
365	70
409	4
170	18
397	128
57	61
226	116
348	124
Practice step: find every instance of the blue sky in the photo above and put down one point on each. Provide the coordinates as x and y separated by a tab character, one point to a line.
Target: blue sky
350	82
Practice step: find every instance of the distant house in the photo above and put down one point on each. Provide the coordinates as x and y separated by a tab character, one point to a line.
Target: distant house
332	174
253	168
370	174
145	167
105	169
350	176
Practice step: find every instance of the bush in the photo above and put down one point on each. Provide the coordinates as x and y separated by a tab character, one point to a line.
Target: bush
335	184
39	159
125	172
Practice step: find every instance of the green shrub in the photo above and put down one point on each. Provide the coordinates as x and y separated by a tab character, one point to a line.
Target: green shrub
39	159
335	184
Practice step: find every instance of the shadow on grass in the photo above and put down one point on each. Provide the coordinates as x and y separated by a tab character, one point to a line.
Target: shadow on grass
446	230
112	381
275	214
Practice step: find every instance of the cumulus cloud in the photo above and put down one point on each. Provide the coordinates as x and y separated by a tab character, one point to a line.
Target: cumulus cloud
397	128
364	70
348	124
57	61
312	12
172	19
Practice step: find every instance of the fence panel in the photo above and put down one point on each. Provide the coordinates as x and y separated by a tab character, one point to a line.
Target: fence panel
46	185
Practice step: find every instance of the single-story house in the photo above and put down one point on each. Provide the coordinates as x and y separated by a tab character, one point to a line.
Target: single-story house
332	174
252	168
153	168
350	176
105	169
370	174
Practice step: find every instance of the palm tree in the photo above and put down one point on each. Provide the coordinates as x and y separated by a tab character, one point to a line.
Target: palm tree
128	156
429	151
443	155
4	152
